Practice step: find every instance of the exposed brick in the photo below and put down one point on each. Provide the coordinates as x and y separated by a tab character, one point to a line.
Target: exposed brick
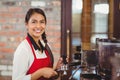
2	56
56	51
6	50
56	3
15	9
25	3
5	78
6	15
57	45
6	61
56	34
3	67
18	38
54	39
2	44
3	9
3	21
12	30
7	27
10	33
54	28
6	73
20	15
10	67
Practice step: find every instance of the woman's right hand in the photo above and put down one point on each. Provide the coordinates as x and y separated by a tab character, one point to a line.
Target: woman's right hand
48	72
43	72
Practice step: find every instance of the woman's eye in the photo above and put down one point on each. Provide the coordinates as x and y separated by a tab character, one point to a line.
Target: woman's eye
42	21
33	21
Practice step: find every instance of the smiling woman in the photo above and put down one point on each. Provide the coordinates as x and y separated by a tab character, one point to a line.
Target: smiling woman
37	59
13	30
36	25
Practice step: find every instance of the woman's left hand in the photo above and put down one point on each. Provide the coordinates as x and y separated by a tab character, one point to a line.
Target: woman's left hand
60	62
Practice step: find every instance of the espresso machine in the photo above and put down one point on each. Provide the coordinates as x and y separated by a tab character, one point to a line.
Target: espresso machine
109	59
90	63
102	63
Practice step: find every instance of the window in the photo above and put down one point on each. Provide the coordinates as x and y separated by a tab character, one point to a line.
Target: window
100	22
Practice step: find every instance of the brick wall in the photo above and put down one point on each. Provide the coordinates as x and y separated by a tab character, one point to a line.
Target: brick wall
13	31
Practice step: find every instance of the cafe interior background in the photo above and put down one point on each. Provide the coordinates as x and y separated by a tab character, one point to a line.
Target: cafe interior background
74	29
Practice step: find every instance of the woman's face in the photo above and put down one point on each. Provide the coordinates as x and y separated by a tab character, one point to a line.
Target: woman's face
36	25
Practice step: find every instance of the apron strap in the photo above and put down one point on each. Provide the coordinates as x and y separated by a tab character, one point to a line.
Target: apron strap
50	53
31	46
46	47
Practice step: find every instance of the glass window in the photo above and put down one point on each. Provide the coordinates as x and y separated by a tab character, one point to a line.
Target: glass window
99	22
76	21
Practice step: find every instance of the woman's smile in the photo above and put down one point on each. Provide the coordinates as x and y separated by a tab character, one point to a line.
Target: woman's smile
37	30
36	25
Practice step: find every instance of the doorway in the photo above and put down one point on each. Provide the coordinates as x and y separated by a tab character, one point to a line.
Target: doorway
71	21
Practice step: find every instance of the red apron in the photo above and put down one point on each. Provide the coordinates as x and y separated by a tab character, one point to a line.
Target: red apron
38	63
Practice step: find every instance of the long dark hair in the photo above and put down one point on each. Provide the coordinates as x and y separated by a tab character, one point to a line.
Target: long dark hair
30	12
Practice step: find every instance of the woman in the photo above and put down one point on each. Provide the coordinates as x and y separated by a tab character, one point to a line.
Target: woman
33	59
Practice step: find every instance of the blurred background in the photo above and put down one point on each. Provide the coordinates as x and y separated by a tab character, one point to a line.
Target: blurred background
13	30
72	26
